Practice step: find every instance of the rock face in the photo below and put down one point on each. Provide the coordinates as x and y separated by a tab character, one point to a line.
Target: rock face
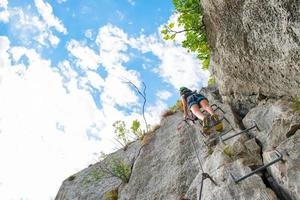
88	183
255	49
279	128
167	167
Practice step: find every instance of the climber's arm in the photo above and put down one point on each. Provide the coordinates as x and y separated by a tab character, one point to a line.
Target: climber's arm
184	105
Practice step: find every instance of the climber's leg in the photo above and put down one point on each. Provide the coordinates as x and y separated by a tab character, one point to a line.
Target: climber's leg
215	118
204	104
196	111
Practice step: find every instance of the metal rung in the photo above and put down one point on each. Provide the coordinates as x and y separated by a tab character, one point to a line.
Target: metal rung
279	158
220	137
217	108
212	140
239	133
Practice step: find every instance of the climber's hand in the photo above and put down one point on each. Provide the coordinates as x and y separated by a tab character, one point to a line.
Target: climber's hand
185	116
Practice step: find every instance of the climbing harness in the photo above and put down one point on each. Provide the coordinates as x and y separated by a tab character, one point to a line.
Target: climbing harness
204	174
279	158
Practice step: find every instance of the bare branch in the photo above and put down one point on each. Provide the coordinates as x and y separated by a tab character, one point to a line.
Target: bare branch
123	145
143	94
185	30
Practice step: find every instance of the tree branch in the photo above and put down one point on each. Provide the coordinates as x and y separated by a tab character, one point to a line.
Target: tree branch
143	94
185	30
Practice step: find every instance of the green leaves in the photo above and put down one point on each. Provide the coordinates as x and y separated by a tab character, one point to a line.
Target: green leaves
124	135
171	25
190	20
120	169
121	132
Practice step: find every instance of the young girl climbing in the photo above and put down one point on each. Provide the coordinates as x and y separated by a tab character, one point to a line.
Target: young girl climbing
194	101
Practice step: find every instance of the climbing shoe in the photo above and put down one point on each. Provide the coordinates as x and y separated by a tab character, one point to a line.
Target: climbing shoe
206	128
217	123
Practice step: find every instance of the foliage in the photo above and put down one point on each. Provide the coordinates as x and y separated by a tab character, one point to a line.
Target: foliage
115	167
177	106
120	170
111	195
126	136
295	105
190	19
167	113
122	133
211	81
136	129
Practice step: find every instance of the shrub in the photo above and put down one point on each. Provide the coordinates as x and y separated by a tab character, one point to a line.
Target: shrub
111	195
167	113
136	129
126	136
113	168
177	106
120	170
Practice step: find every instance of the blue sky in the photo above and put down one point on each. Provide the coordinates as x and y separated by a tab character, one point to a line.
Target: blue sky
63	71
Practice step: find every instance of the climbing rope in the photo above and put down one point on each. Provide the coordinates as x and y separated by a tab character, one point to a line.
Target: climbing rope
204	174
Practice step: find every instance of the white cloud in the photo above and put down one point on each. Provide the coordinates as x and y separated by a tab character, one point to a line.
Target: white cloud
112	42
93	79
4	46
4	15
42	126
131	2
54	40
27	28
153	112
45	10
86	58
118	92
178	67
32	106
88	34
3	4
163	94
113	45
61	1
120	15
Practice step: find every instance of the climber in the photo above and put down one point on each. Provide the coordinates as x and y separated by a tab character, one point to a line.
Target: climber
194	101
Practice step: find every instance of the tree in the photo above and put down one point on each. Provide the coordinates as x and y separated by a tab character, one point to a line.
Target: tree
190	18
